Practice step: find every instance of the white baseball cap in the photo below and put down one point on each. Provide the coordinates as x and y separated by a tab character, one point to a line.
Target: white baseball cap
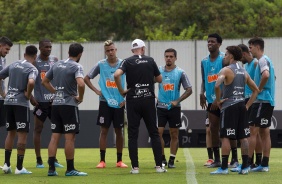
137	43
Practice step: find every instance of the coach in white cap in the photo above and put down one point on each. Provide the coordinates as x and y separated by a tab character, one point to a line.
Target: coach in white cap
141	74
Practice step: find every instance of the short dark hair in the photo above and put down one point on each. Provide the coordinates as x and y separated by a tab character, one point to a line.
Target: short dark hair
75	49
215	35
257	41
31	50
6	41
171	50
42	41
244	48
235	51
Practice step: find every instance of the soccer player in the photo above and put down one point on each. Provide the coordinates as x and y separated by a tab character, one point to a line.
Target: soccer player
262	110
42	97
68	87
22	75
250	64
5	46
233	117
168	108
210	67
141	74
111	108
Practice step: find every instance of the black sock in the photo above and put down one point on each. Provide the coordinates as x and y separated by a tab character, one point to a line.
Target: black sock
210	153
70	165
264	161
171	159
234	154
216	154
20	159
245	161
39	160
163	157
252	160
102	155
7	157
224	161
51	162
119	157
258	158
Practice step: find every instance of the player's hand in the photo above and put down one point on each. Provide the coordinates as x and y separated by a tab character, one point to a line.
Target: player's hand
174	103
33	101
214	106
203	101
28	96
78	99
124	92
122	104
99	93
219	103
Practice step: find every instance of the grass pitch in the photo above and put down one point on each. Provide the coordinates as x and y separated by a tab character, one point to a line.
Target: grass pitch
87	159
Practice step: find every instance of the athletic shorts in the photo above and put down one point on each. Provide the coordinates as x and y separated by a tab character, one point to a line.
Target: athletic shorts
260	115
17	118
207	122
2	113
215	112
233	122
172	116
107	115
65	119
250	108
43	110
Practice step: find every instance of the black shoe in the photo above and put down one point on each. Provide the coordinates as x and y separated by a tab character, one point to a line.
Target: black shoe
164	163
215	164
170	165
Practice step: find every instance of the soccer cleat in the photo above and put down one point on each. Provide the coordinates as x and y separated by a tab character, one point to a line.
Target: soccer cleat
102	164
233	164
244	171
121	165
57	164
134	170
160	169
209	162
170	165
6	169
75	173
260	169
236	169
52	173
214	164
38	165
164	163
220	171
23	171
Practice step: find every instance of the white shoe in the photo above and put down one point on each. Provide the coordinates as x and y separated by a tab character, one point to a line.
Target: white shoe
6	169
23	171
160	169
134	170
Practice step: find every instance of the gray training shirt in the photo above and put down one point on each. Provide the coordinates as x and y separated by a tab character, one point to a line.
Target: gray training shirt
2	66
63	75
19	73
41	94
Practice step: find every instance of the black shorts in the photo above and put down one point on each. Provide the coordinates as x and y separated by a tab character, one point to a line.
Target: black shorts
250	108
172	116
107	115
260	115
43	110
207	122
65	119
233	122
17	118
2	113
215	112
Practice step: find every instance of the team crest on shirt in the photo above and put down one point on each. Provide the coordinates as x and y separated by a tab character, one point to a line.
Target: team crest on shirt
102	120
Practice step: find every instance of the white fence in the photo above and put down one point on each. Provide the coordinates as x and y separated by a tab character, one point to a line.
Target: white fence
189	55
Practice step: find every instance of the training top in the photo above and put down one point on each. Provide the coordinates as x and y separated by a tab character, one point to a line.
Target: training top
110	93
140	73
41	94
169	89
64	74
210	70
250	68
2	65
234	92
267	95
19	73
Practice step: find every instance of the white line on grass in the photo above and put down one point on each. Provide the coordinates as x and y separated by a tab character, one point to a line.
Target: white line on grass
190	172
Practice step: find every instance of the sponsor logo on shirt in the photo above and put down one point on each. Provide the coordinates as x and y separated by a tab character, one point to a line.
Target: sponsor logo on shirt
168	87
140	61
111	84
212	78
141	85
19	66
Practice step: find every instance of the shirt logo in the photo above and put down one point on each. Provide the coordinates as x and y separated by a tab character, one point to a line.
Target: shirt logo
212	78
111	84
168	87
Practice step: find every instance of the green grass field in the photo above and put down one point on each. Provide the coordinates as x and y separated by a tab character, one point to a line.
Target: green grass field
87	159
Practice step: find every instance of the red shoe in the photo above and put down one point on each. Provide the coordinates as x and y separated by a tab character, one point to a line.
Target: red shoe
121	165
209	162
102	164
